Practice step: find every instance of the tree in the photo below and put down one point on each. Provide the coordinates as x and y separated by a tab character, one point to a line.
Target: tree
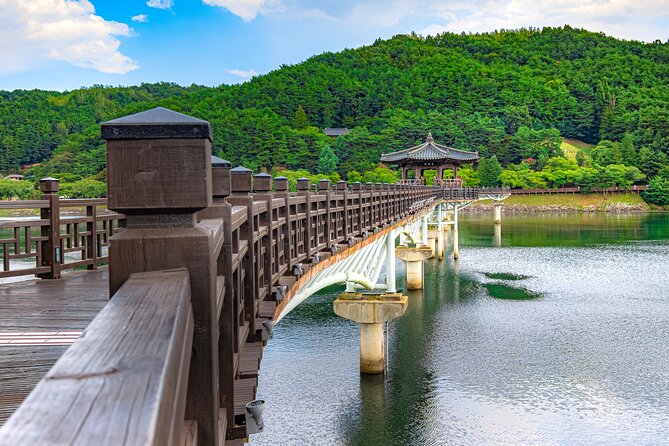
489	170
607	152
628	151
657	192
300	119
327	160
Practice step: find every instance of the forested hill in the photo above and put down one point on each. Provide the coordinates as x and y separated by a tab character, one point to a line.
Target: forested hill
512	94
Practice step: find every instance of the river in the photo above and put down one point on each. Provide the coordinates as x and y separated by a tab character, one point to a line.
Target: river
560	336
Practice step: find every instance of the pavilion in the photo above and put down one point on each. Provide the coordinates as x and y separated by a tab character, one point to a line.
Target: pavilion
430	156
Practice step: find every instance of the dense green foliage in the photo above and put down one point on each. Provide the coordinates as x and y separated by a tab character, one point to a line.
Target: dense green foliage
557	172
511	94
327	160
658	189
12	189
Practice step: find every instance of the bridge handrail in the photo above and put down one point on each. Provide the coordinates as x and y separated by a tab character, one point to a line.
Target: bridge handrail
124	381
81	239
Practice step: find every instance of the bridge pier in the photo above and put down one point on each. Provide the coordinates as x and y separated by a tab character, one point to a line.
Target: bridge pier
423	230
456	242
371	311
440	235
498	213
414	257
390	262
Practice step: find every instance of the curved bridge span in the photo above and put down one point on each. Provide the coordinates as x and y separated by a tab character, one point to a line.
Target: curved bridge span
207	259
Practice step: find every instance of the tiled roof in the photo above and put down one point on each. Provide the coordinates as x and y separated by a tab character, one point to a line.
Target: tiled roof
430	151
336	131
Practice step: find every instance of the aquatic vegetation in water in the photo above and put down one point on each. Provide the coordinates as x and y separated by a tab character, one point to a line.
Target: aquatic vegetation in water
506	276
500	291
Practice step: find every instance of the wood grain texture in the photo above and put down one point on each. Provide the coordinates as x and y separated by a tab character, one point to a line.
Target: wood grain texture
122	381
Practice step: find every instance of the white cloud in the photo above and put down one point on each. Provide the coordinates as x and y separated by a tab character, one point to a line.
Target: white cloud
141	18
159	4
247	9
630	19
244	74
38	30
433	30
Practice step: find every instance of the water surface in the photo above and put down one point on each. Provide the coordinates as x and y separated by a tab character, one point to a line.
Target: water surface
584	361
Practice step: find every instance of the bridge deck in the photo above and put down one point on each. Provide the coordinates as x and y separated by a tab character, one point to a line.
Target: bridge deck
46	312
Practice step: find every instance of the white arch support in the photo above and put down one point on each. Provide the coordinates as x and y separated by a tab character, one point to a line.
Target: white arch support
363	267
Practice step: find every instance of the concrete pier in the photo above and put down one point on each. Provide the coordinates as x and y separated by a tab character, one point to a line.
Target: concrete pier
371	311
456	242
414	258
498	213
440	234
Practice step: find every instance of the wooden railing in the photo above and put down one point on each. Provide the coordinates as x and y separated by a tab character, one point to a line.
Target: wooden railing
66	234
124	381
246	243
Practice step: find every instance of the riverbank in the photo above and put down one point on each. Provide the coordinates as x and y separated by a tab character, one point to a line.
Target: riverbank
568	203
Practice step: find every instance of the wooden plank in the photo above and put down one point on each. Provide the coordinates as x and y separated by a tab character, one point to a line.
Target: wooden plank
249	360
245	392
220	295
122	381
189	433
24	204
222	425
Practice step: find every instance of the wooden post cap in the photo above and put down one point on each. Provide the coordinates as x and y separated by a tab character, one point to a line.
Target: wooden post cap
157	123
242	179
281	184
357	186
341	185
220	177
158	160
369	186
323	184
262	182
378	186
49	185
303	184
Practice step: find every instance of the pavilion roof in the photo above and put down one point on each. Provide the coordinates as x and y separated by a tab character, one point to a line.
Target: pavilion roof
430	151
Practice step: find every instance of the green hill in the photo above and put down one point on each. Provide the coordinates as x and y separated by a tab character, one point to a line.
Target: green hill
514	94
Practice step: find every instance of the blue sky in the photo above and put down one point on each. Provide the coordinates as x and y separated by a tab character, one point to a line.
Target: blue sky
64	44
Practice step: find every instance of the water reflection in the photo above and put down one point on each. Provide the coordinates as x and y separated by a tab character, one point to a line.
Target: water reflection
584	364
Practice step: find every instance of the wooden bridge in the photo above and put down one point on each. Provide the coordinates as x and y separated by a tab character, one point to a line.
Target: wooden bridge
201	258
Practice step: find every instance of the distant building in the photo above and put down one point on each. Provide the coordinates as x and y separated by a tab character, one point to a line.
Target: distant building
14	176
334	132
430	156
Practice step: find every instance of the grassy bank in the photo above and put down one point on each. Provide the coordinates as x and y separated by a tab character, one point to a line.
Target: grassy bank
569	202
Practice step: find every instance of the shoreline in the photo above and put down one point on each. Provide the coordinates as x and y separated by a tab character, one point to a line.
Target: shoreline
618	208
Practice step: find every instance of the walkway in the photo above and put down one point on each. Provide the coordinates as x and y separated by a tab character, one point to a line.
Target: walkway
38	320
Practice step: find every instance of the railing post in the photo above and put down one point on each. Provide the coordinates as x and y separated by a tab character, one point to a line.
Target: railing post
242	185
324	189
303	189
51	252
159	176
92	237
281	188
